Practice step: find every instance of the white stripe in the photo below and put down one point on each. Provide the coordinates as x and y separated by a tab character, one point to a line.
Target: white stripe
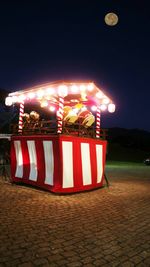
86	163
99	159
67	164
49	162
19	159
33	160
61	106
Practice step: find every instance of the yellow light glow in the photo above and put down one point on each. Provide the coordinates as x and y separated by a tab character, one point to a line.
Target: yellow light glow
44	104
83	96
79	105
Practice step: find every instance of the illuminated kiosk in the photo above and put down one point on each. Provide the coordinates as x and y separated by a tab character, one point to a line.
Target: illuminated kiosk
62	154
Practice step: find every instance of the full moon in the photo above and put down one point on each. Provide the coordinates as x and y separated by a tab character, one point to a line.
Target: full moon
111	19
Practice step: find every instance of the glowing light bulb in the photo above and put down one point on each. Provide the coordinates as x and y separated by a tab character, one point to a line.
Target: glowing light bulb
103	107
51	108
111	108
63	90
40	93
15	99
105	101
99	95
93	108
8	101
31	95
22	97
50	91
90	87
82	87
44	104
74	89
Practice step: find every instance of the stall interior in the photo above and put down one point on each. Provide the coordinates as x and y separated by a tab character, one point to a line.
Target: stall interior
39	121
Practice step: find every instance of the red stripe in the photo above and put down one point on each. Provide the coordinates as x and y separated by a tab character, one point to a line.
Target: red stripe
40	161
57	148
13	160
77	168
93	162
26	160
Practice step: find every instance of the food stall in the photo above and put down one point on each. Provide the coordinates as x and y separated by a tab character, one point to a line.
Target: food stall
63	152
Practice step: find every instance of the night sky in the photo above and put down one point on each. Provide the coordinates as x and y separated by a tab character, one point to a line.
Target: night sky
43	41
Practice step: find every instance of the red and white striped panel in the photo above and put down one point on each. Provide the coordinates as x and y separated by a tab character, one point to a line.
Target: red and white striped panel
59	165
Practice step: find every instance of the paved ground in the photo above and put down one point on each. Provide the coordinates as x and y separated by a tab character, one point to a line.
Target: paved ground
105	227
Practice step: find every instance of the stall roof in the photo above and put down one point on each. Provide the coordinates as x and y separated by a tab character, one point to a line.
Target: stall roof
73	93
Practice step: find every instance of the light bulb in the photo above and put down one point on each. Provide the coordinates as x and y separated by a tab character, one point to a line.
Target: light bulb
111	108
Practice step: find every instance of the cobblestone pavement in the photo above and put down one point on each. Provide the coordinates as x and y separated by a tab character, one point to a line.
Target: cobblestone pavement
104	227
